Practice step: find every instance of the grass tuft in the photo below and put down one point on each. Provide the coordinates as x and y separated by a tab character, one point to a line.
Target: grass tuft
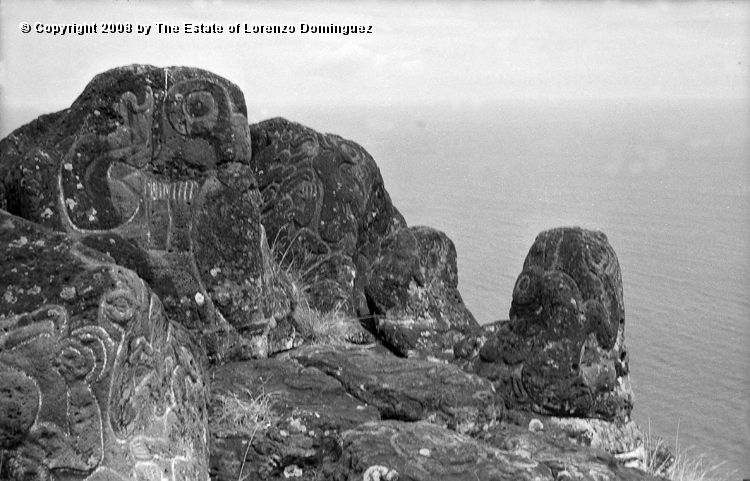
682	466
245	416
317	327
331	328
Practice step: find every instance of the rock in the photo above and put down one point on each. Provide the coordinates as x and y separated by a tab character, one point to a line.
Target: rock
409	390
152	172
466	350
95	381
413	287
622	441
325	208
561	452
307	412
562	353
392	449
152	166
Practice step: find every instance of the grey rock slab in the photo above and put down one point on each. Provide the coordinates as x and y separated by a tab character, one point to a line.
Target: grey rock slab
408	389
390	450
307	412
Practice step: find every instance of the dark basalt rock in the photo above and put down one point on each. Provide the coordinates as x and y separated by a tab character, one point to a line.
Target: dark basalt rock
325	425
154	170
409	390
393	450
152	166
308	412
413	286
562	352
325	209
95	382
560	451
389	450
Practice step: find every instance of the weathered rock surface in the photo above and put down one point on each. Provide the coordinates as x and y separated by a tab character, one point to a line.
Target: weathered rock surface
325	208
309	411
425	452
154	170
413	287
562	353
152	166
560	451
409	390
623	441
95	382
326	425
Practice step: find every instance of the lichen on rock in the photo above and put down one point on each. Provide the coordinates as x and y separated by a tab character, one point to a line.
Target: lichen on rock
153	180
95	381
152	166
562	353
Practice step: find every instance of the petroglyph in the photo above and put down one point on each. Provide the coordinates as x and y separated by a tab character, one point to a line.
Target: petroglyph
99	382
131	141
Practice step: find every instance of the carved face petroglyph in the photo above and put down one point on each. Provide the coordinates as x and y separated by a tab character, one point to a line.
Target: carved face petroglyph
146	174
168	190
563	350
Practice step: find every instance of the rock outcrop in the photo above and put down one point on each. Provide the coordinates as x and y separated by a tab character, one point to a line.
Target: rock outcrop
152	179
413	287
325	209
95	381
152	166
563	352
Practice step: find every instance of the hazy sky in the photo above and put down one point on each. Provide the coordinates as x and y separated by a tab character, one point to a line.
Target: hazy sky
425	52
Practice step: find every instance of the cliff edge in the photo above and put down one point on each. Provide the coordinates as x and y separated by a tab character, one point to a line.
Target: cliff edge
188	296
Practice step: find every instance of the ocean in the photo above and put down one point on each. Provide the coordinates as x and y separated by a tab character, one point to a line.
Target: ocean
667	182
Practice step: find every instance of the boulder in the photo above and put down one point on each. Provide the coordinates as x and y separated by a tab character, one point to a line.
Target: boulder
562	353
325	208
152	166
413	289
96	382
409	390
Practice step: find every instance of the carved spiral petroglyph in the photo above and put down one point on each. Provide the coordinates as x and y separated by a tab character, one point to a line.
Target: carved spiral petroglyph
73	379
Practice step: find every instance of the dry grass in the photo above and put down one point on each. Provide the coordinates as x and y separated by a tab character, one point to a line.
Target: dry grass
240	416
682	466
331	327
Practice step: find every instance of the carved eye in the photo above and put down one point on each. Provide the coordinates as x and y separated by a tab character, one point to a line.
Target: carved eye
74	360
200	104
119	306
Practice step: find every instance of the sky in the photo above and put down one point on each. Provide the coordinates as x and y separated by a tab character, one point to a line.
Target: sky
457	53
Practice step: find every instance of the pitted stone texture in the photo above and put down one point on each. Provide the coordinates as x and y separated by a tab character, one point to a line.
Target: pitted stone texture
623	441
467	349
310	409
151	165
413	288
562	452
562	353
325	208
96	382
424	452
409	390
